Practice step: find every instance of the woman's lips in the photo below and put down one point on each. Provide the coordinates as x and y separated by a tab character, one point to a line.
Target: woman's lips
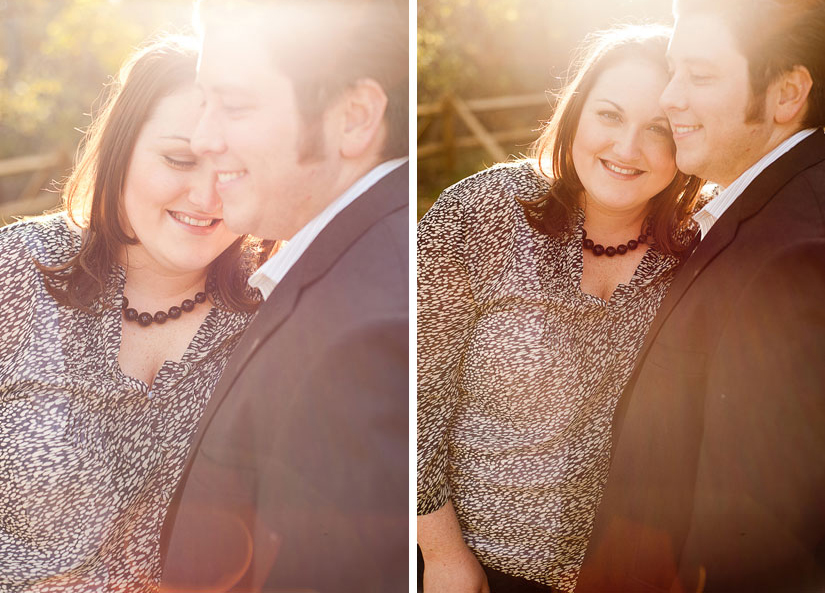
195	225
620	172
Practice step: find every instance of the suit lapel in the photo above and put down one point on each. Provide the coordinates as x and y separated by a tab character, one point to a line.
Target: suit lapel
755	196
388	195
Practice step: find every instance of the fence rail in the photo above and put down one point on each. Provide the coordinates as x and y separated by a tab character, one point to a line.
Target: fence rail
452	109
41	168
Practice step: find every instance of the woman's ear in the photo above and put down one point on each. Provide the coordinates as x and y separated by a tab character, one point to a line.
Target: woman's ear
364	106
794	87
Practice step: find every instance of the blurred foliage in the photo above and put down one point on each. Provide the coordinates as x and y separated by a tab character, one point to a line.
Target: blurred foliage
454	38
477	48
488	48
56	56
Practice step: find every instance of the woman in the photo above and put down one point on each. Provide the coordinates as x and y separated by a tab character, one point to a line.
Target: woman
535	292
117	317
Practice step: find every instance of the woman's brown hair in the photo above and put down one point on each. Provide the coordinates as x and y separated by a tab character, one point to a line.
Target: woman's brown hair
554	212
92	194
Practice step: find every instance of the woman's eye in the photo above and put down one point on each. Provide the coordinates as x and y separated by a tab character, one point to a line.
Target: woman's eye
661	130
611	116
177	163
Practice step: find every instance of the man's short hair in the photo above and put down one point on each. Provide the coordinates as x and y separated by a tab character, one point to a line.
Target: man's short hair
774	36
333	44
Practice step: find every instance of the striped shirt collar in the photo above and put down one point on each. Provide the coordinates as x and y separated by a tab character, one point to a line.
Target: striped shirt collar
267	277
713	210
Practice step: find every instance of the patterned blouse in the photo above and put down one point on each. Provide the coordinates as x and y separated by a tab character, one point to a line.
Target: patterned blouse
519	373
89	457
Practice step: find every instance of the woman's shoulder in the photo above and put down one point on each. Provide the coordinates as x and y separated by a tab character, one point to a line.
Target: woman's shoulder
512	179
494	192
48	239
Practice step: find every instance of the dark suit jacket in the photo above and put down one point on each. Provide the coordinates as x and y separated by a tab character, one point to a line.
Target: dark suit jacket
298	474
717	480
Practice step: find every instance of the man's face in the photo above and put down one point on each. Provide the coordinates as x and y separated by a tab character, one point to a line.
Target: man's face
707	99
253	134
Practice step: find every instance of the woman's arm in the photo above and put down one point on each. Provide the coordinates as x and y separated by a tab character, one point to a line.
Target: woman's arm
18	278
449	565
446	313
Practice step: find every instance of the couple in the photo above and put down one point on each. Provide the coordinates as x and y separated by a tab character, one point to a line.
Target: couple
186	403
620	382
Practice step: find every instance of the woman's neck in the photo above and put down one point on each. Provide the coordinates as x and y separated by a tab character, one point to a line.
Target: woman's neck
609	227
148	283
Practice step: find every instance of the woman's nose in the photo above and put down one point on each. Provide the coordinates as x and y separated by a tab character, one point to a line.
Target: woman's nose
627	145
208	136
202	192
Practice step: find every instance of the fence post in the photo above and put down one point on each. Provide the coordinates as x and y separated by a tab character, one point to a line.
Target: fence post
448	132
479	131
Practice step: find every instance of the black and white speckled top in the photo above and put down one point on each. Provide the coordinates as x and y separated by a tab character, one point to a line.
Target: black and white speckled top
519	373
89	457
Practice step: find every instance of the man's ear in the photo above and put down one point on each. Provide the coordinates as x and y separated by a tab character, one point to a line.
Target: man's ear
794	88
365	104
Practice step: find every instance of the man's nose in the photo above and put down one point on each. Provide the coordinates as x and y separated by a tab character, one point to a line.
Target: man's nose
673	98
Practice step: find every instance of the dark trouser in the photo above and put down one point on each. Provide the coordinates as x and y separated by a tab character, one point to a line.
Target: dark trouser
504	583
499	582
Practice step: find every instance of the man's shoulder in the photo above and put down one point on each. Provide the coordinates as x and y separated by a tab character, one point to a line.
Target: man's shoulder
787	199
803	171
799	201
374	266
372	232
348	274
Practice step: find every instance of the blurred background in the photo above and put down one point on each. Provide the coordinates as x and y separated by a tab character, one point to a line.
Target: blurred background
484	67
55	58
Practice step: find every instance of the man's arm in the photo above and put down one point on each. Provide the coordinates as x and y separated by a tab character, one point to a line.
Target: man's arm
339	476
759	521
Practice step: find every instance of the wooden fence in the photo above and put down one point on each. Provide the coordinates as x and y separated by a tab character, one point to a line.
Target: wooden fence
452	109
41	168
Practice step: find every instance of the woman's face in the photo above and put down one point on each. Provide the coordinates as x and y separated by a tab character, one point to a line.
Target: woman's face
169	198
623	150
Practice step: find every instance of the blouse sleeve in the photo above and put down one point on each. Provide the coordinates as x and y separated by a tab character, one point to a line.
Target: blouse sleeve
17	292
446	313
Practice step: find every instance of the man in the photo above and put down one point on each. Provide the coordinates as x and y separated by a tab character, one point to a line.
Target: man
717	473
298	474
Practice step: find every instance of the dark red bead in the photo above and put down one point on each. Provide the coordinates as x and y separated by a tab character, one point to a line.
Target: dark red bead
642	238
145	319
610	251
187	305
632	244
584	234
621	249
588	243
125	303
200	297
130	314
160	317
598	249
210	286
174	312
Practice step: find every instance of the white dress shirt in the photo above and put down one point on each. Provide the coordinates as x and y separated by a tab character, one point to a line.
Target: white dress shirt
707	216
268	275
